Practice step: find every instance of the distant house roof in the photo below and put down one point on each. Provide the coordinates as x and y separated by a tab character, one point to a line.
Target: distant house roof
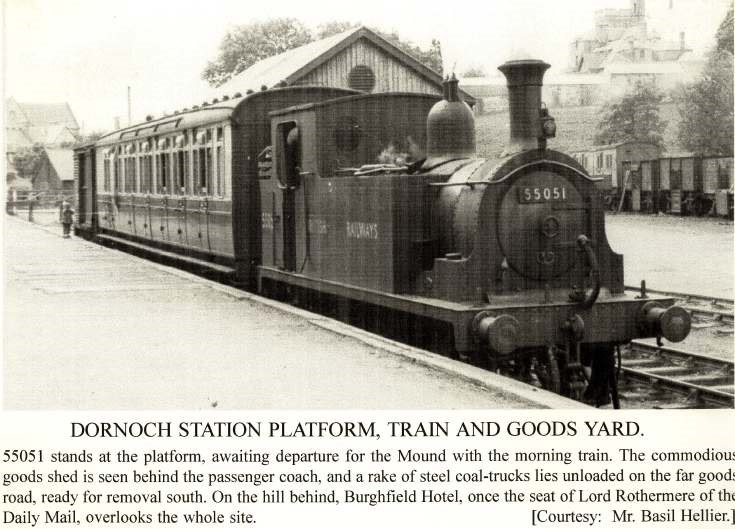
52	134
45	114
678	154
494	80
14	115
611	146
593	61
667	67
575	79
590	35
62	161
292	65
473	83
17	138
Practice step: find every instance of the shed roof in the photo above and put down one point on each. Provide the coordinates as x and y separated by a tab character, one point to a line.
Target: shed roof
292	65
62	161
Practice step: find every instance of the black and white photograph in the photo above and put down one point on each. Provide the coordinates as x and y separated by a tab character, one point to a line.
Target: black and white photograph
501	207
545	200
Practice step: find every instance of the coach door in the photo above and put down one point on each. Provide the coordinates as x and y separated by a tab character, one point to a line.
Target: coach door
82	189
289	155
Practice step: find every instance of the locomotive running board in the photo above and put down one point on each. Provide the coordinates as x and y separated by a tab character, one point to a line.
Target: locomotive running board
457	314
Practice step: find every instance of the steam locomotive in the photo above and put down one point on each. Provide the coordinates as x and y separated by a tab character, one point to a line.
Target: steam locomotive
374	208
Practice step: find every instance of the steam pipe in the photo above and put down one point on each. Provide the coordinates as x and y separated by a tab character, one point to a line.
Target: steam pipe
591	296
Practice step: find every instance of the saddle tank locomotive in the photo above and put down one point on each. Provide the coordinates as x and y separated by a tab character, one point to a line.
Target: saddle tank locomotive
503	261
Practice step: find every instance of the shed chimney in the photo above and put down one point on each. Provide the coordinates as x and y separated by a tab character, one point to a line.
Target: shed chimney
682	41
525	79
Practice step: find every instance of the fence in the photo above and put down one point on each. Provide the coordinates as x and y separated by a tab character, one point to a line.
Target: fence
39	207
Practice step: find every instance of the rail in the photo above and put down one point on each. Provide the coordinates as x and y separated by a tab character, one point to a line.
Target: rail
689	379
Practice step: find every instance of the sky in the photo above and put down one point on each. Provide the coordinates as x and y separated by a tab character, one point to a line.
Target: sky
87	52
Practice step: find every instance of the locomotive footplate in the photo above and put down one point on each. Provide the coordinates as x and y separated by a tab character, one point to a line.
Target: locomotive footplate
612	319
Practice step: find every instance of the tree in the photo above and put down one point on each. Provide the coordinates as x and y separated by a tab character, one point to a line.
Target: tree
432	58
724	35
474	71
27	161
334	27
634	117
247	44
706	108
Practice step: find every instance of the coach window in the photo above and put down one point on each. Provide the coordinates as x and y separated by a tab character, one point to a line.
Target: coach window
162	166
220	163
141	166
207	183
203	162
194	168
146	167
130	168
182	163
118	169
675	174
723	174
106	170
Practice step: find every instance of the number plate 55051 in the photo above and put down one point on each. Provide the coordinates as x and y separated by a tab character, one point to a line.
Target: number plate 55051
530	195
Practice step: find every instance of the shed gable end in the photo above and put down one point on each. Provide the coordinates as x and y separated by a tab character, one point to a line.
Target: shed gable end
390	74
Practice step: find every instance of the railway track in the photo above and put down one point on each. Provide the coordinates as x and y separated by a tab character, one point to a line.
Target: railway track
664	377
707	311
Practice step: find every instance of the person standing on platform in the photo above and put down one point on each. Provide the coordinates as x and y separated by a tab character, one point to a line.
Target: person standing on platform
67	217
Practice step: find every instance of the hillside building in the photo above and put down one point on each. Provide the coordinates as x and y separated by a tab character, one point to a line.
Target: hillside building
606	62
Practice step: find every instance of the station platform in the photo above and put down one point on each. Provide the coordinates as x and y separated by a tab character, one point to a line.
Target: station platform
89	328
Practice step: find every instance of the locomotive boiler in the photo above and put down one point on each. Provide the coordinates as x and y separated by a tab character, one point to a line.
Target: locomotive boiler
375	209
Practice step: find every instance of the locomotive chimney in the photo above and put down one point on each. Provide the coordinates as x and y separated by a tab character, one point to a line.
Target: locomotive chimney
525	79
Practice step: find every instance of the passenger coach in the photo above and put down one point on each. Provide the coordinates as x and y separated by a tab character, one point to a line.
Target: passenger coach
186	183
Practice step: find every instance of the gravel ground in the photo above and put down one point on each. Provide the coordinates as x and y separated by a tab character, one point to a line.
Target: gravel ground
91	328
679	254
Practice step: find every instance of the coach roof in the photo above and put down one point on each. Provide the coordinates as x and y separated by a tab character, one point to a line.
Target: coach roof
204	115
175	122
